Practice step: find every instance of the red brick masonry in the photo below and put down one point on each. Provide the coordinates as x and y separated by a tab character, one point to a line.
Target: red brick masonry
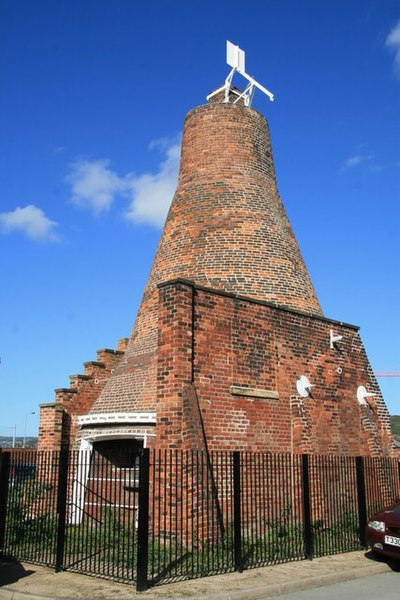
228	322
226	229
243	358
58	420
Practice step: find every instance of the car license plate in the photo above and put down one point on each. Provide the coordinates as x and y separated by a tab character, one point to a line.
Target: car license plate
392	541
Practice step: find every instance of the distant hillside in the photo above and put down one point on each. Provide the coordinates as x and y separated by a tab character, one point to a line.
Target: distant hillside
6	441
395	421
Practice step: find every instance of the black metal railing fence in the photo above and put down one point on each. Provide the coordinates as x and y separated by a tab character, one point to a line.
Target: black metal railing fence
154	516
101	515
28	510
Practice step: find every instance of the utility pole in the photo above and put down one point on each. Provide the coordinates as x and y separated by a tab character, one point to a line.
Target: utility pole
26	420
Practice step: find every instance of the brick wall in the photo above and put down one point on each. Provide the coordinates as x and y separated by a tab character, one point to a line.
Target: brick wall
243	357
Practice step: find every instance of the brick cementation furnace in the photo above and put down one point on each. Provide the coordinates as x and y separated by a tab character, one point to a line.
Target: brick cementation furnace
230	334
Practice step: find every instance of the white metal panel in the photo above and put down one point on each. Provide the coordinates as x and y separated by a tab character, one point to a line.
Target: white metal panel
235	57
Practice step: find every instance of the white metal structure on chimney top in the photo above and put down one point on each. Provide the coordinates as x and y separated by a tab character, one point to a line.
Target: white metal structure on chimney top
235	58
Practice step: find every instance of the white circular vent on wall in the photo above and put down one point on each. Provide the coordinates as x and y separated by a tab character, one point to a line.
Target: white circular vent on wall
303	386
362	395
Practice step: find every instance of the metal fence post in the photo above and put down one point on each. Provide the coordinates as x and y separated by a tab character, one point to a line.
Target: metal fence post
62	489
142	582
4	479
237	524
308	532
362	500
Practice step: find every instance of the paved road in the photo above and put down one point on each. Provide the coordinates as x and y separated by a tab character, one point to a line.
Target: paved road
385	586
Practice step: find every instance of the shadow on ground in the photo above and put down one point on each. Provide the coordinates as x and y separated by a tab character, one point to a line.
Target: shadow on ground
12	571
391	562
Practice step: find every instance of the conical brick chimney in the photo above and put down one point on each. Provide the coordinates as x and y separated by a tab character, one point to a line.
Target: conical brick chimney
226	229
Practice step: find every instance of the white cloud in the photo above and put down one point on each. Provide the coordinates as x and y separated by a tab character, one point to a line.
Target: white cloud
393	42
152	193
96	186
355	160
31	220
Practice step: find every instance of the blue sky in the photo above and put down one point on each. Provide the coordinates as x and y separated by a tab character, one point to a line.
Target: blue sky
93	98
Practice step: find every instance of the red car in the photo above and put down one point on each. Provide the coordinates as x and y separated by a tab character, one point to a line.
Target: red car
383	532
